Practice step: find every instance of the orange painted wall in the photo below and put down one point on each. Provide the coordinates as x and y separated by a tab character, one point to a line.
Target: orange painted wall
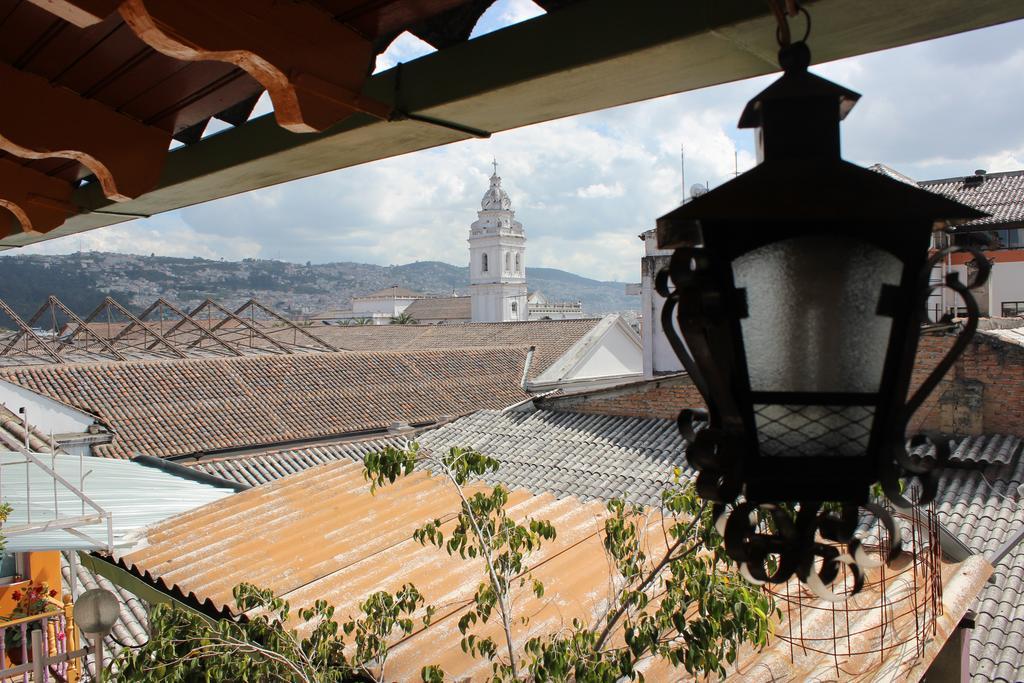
40	567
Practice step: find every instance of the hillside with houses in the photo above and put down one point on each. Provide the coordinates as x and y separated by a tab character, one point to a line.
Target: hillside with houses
82	280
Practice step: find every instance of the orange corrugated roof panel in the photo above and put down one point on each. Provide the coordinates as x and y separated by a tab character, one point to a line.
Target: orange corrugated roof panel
320	534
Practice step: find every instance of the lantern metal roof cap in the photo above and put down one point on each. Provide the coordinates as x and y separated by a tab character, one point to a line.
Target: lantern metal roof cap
795	83
807	186
808	190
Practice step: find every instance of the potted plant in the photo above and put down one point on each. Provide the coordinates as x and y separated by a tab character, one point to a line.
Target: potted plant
34	599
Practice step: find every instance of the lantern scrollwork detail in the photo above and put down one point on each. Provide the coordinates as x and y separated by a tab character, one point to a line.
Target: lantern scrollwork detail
795	298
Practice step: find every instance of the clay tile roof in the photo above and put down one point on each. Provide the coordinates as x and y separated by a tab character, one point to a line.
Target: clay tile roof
999	194
442	308
982	506
12	430
320	534
179	407
553	338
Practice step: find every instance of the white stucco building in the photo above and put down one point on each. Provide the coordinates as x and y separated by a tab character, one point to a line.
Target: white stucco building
659	358
497	259
542	309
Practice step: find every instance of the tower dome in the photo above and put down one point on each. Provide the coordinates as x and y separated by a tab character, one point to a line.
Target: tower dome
497	259
495	199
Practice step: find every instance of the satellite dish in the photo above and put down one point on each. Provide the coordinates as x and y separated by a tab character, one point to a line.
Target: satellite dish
697	190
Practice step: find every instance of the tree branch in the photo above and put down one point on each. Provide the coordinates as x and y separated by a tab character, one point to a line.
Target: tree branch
506	618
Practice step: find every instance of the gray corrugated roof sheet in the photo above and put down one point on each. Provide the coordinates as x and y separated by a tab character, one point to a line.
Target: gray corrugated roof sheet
588	456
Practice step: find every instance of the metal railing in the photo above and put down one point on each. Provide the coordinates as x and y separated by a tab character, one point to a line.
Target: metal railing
91	512
49	649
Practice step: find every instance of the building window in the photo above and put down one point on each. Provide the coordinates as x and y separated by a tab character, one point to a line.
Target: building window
483	269
517	264
515	309
508	262
1013	308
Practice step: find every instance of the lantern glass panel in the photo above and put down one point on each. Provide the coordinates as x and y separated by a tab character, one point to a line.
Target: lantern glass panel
812	323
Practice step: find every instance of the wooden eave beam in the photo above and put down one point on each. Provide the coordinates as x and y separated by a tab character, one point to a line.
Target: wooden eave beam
37	201
42	121
80	13
586	56
313	67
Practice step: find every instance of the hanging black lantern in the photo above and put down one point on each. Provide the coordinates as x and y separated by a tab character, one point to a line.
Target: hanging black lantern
799	289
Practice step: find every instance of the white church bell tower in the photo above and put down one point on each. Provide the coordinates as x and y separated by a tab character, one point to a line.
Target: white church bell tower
497	259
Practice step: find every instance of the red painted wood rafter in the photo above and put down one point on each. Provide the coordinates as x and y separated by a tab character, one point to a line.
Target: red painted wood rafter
39	202
313	67
47	121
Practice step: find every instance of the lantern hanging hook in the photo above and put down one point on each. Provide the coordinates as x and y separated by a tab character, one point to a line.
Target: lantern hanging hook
782	15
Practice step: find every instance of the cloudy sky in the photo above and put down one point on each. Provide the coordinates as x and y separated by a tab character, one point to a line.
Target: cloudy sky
586	186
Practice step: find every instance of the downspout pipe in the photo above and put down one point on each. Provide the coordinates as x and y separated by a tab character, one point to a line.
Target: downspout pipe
190	473
526	367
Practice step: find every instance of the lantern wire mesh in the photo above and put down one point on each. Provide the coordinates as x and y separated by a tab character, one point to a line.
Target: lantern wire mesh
896	609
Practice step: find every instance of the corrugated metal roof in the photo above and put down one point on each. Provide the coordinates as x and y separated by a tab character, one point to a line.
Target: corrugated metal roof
321	535
587	456
135	495
599	456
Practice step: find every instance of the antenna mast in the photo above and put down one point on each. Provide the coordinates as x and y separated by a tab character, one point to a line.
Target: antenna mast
682	170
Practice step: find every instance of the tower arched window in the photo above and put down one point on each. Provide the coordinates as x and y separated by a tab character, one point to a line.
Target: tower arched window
518	264
483	267
508	262
515	309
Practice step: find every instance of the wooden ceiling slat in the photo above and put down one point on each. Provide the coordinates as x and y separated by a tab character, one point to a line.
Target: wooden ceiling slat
69	47
313	68
118	69
42	43
232	87
22	29
172	103
376	18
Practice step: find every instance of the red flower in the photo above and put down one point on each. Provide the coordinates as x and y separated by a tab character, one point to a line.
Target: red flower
53	593
16	595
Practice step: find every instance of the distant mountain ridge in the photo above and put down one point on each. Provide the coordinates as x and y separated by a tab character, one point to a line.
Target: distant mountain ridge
82	280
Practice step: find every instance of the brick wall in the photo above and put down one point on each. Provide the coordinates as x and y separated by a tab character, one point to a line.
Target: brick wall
662	398
983	393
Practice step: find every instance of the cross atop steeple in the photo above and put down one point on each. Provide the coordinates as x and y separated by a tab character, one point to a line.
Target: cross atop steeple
495	163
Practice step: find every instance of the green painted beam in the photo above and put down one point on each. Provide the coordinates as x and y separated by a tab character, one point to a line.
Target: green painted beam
587	56
119	577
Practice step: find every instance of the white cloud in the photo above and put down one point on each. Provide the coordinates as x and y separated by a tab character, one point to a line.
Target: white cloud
405	48
601	191
505	13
